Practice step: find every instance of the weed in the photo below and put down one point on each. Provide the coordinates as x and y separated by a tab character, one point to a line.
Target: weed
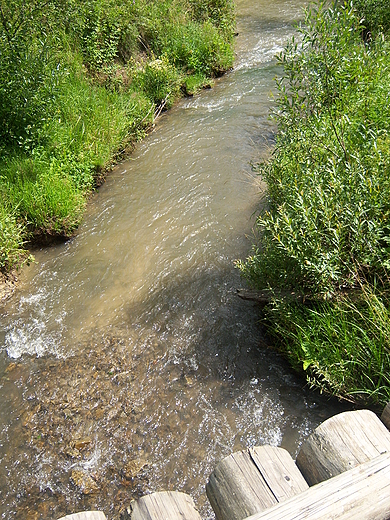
158	79
326	227
12	238
79	83
342	346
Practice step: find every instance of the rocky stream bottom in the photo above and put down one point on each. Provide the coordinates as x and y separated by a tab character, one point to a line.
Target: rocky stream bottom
123	416
72	408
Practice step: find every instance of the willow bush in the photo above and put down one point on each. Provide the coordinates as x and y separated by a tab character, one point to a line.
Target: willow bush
325	229
80	81
375	15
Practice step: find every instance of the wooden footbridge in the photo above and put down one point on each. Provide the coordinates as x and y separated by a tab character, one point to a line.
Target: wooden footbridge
342	472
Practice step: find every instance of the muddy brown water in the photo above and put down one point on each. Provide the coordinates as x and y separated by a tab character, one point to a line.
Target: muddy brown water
127	363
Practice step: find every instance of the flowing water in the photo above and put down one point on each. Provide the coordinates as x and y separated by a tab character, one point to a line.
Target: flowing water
127	362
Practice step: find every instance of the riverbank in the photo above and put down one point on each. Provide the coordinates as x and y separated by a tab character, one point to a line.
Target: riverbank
78	87
325	233
8	283
147	286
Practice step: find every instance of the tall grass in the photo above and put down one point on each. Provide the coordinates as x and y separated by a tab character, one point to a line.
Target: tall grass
12	252
80	82
343	347
326	227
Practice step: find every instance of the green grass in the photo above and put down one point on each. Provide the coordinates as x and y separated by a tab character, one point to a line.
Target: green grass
158	79
80	82
50	203
12	251
326	227
343	347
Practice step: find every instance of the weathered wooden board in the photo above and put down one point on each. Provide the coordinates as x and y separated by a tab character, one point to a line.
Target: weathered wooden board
279	471
362	493
164	505
341	443
253	480
85	515
385	417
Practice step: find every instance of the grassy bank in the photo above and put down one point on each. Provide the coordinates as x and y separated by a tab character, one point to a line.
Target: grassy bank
80	82
326	230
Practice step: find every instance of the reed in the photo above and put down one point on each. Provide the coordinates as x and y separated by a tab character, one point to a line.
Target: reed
343	347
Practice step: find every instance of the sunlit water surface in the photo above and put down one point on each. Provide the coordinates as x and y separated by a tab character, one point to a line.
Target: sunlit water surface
126	354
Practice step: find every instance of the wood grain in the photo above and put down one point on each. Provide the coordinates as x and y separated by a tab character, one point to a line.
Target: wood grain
252	480
341	443
385	417
362	493
85	515
164	505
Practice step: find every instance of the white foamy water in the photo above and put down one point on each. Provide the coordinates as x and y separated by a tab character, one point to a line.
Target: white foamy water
131	335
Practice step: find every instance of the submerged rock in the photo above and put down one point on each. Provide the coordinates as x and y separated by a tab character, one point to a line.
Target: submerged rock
79	444
72	453
84	482
132	468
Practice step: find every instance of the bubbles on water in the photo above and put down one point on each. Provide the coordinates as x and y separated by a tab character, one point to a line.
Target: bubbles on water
94	461
259	416
31	336
213	105
29	333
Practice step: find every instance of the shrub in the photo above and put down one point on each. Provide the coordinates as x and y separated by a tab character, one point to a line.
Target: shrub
158	79
375	14
325	231
327	221
29	72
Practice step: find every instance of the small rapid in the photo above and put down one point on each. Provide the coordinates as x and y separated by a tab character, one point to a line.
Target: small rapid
127	362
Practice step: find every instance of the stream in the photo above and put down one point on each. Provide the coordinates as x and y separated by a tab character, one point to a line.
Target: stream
127	363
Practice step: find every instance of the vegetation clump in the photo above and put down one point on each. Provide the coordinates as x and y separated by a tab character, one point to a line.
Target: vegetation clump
326	229
80	82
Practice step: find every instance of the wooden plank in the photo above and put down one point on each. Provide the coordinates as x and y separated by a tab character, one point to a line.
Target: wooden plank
85	515
236	490
164	505
361	493
249	481
385	417
341	443
279	471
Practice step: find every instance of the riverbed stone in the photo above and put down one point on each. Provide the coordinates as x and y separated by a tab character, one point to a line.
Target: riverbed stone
84	482
72	453
80	444
132	468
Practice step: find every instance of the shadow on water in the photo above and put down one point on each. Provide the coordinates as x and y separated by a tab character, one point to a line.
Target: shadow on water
147	405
